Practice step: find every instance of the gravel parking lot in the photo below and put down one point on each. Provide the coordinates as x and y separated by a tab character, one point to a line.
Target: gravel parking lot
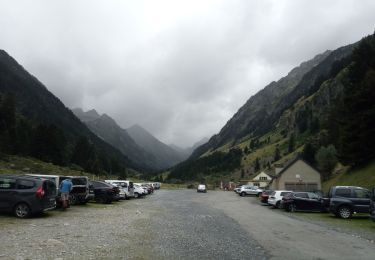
178	224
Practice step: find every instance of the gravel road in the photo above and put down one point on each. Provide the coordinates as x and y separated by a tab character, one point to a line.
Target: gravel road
177	224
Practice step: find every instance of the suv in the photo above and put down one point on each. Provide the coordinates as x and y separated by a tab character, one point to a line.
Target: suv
276	196
202	188
26	195
372	205
80	189
249	190
346	200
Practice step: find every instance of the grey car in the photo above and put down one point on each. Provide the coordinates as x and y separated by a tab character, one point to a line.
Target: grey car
26	195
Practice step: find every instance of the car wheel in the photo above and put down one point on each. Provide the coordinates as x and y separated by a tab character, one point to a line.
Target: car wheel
243	194
259	194
345	212
73	200
136	195
22	210
277	205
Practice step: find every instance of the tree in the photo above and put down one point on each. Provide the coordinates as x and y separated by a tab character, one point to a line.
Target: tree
277	155
242	173
256	165
7	123
308	153
356	122
49	144
291	143
326	157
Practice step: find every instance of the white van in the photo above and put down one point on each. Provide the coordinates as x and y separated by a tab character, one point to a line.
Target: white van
126	186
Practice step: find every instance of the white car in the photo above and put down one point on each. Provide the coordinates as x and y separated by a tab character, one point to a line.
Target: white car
202	188
126	187
249	190
122	193
276	196
139	191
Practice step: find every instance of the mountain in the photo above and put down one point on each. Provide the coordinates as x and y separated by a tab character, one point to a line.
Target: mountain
135	142
312	112
186	152
107	129
37	106
164	154
261	112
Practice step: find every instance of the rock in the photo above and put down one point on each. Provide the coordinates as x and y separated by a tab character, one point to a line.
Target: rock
54	242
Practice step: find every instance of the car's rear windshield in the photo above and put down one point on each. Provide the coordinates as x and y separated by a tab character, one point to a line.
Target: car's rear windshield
79	181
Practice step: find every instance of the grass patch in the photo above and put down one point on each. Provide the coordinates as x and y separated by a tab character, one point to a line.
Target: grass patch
363	177
359	222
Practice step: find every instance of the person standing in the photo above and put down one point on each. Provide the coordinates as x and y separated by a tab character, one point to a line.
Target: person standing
65	188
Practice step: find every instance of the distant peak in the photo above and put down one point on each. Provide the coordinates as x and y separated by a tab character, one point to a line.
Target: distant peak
77	110
92	113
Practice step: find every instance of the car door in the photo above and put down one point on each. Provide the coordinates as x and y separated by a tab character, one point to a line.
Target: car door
7	192
301	200
315	202
361	200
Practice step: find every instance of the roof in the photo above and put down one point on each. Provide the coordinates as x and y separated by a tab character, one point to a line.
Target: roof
292	162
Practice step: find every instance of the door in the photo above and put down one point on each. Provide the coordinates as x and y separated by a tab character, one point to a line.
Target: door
7	193
315	202
301	201
361	200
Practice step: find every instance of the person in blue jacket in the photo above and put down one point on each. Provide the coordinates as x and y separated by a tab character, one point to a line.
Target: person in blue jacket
65	187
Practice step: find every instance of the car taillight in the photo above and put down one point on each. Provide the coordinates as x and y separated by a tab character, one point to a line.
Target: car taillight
40	192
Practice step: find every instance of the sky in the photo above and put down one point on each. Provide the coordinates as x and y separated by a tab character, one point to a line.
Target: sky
180	69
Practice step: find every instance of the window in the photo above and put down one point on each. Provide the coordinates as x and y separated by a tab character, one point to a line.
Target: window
263	178
284	193
25	184
79	181
361	193
7	184
301	195
343	193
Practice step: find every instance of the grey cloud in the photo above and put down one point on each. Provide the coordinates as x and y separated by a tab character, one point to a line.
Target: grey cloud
180	69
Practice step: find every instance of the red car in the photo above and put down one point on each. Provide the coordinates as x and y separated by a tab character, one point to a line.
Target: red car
264	196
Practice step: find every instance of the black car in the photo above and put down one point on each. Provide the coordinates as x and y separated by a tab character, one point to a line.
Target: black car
104	192
372	205
344	201
26	195
303	201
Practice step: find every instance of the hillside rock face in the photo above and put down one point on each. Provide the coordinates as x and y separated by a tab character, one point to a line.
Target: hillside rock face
263	111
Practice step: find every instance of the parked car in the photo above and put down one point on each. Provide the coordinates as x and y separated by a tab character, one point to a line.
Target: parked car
148	188
157	185
121	187
264	196
237	189
276	196
372	205
104	192
139	191
57	179
26	195
202	188
303	201
80	193
344	201
249	190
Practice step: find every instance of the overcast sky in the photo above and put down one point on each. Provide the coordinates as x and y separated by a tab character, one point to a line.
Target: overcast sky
180	69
